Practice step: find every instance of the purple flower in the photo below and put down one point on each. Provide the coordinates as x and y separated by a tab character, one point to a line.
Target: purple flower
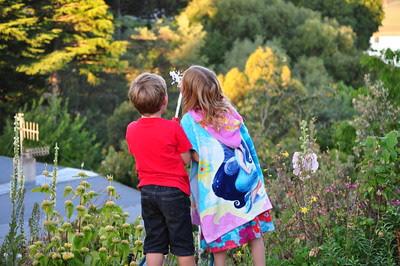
330	189
351	186
395	202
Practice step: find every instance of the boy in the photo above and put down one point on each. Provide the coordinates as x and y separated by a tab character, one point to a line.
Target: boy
161	149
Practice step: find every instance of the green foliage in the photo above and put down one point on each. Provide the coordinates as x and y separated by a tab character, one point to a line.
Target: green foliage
363	16
376	113
38	38
147	9
240	52
117	123
16	88
120	164
97	235
78	33
57	124
300	31
344	136
12	247
34	223
384	68
345	213
380	173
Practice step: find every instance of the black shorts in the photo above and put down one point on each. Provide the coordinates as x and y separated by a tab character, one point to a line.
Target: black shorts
167	221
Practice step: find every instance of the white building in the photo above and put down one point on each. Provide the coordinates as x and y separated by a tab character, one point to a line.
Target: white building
388	35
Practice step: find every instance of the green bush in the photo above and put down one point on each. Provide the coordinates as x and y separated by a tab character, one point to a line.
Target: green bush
120	164
91	234
56	124
117	123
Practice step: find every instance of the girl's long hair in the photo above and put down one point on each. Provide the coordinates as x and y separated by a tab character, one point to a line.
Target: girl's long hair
202	92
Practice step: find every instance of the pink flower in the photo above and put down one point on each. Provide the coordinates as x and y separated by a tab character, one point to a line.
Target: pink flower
351	186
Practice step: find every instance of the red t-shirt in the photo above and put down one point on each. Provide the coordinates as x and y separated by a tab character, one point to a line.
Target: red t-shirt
157	144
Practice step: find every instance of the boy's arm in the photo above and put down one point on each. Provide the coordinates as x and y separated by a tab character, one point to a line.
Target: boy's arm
186	157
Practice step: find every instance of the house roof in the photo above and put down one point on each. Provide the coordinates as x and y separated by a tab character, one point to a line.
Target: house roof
129	198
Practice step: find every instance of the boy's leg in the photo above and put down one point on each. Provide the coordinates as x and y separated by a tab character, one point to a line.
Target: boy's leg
176	209
258	251
156	239
186	261
154	259
219	258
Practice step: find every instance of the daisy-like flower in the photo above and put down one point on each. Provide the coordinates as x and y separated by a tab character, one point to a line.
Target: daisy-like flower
176	76
285	154
176	79
313	199
304	210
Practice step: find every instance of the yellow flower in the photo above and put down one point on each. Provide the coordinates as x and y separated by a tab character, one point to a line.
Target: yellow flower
285	154
67	255
313	199
55	255
304	210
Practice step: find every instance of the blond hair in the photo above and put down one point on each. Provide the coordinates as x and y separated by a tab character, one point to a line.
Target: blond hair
147	93
202	92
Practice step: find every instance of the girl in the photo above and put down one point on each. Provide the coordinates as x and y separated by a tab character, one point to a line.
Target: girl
227	183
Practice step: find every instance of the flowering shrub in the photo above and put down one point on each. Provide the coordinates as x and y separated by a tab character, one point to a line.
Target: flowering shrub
12	249
90	235
341	210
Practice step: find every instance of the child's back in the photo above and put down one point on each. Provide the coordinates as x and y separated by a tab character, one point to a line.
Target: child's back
157	144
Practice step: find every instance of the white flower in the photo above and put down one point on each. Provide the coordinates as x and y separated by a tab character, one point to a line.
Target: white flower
304	163
176	77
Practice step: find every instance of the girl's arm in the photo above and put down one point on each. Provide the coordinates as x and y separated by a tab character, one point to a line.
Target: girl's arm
194	155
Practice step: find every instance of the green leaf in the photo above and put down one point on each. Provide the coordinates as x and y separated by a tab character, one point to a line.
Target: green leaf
391	139
77	242
69	211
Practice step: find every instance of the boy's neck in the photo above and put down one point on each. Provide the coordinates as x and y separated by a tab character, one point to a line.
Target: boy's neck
155	115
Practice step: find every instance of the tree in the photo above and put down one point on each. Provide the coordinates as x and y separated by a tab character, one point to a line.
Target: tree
17	19
364	16
57	125
46	41
78	34
299	31
147	8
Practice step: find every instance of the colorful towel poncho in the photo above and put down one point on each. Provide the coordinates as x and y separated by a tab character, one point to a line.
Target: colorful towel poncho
227	184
